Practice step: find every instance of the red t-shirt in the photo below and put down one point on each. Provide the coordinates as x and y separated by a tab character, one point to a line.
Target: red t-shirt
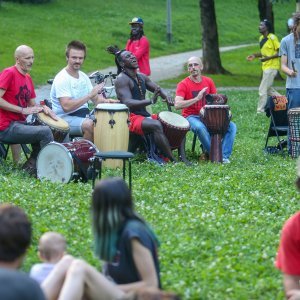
189	89
19	90
288	255
141	49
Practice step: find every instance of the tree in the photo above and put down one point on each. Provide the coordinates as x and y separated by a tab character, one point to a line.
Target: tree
265	8
210	40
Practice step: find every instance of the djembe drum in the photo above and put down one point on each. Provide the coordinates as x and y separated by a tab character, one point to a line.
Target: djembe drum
294	131
216	119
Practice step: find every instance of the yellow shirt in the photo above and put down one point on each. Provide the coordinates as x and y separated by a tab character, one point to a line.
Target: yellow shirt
270	47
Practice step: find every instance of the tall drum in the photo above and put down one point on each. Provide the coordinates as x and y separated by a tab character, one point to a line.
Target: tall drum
294	131
216	119
111	132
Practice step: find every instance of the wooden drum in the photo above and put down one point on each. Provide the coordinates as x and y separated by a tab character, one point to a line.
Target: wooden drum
216	119
111	132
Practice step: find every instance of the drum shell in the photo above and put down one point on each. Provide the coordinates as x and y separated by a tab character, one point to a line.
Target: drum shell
175	134
111	131
56	161
294	131
216	118
59	133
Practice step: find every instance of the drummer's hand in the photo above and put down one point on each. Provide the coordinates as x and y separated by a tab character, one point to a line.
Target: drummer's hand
31	110
201	94
155	95
49	112
170	100
97	89
109	100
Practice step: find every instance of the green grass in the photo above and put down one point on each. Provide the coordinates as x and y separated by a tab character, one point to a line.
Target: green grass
218	224
49	27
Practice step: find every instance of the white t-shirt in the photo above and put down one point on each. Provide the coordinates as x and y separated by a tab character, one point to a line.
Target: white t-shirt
39	272
65	85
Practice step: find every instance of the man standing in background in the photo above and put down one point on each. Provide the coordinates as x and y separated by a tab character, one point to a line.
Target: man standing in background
139	45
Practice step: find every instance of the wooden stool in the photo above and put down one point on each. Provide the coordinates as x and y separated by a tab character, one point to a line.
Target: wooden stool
99	156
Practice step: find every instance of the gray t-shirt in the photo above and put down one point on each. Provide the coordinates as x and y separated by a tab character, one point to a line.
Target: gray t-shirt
40	272
292	52
16	285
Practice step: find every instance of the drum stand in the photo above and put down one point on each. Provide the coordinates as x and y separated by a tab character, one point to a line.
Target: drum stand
215	153
96	163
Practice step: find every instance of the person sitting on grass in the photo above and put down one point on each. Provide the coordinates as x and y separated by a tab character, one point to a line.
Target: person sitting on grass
122	239
52	247
15	237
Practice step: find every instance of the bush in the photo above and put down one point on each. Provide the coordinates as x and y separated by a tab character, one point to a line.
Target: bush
29	1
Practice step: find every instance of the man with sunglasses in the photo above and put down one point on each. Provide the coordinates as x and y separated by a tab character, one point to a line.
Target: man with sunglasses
268	55
190	97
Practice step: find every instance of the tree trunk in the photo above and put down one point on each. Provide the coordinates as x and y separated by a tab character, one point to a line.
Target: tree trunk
210	41
265	8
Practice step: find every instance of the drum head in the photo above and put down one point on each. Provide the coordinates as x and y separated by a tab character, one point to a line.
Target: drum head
55	163
111	107
59	124
173	119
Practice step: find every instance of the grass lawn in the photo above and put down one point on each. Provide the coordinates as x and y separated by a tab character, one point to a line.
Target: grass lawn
48	28
218	224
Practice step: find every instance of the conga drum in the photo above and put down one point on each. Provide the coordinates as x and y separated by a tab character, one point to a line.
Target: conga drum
111	132
216	119
294	131
59	128
175	127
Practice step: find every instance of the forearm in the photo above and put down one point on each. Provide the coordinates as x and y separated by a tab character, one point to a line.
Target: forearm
69	105
136	104
133	286
10	107
290	283
181	103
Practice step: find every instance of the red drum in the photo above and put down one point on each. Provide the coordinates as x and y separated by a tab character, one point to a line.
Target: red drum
64	162
59	128
175	127
216	119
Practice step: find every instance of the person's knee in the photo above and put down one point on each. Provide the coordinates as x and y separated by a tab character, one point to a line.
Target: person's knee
154	127
87	126
77	268
232	128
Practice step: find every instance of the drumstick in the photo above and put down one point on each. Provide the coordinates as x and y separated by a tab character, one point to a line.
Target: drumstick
293	66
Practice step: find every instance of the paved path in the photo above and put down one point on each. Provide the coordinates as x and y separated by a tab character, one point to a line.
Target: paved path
164	67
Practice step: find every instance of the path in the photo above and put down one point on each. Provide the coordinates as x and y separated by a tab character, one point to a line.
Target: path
163	67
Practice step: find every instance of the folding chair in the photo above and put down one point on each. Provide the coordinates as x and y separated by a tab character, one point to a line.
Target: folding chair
4	147
277	108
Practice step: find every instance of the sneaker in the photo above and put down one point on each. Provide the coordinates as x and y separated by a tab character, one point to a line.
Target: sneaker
226	161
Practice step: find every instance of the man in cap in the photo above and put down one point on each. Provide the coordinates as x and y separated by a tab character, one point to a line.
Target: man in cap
139	45
268	55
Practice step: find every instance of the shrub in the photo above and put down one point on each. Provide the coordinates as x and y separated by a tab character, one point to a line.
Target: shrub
29	1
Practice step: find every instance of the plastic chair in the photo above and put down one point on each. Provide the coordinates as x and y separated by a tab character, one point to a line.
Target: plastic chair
277	108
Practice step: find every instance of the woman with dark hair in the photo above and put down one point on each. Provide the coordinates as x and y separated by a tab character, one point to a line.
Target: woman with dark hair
122	239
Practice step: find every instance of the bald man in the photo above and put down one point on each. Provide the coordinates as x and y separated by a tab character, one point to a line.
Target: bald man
16	102
190	94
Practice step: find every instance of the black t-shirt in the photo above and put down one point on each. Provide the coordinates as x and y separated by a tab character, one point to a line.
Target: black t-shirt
123	270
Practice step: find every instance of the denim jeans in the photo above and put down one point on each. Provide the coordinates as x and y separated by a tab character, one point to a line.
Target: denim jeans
200	129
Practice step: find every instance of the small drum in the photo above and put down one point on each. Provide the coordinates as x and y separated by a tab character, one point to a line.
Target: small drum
294	131
64	162
111	132
175	127
59	128
216	119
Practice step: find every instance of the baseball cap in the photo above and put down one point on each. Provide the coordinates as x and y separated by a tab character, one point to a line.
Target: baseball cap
137	20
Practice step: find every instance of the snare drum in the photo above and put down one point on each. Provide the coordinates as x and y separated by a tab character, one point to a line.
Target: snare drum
111	132
216	119
59	128
175	127
64	162
294	131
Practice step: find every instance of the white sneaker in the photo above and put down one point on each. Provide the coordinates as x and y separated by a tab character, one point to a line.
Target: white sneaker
226	161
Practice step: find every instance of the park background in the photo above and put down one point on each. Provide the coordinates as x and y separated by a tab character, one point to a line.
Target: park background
218	225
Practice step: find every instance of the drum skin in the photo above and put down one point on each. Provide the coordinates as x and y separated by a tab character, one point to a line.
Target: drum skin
111	131
56	163
59	128
175	127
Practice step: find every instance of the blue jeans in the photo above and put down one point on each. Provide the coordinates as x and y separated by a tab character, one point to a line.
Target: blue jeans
200	129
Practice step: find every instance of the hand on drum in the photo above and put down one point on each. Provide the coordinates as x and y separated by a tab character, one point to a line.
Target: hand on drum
32	110
46	110
109	100
201	94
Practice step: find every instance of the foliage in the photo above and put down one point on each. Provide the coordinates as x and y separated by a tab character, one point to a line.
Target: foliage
48	28
30	1
218	225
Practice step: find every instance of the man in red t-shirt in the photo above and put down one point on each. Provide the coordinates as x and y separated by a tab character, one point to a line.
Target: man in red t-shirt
190	94
16	101
139	45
